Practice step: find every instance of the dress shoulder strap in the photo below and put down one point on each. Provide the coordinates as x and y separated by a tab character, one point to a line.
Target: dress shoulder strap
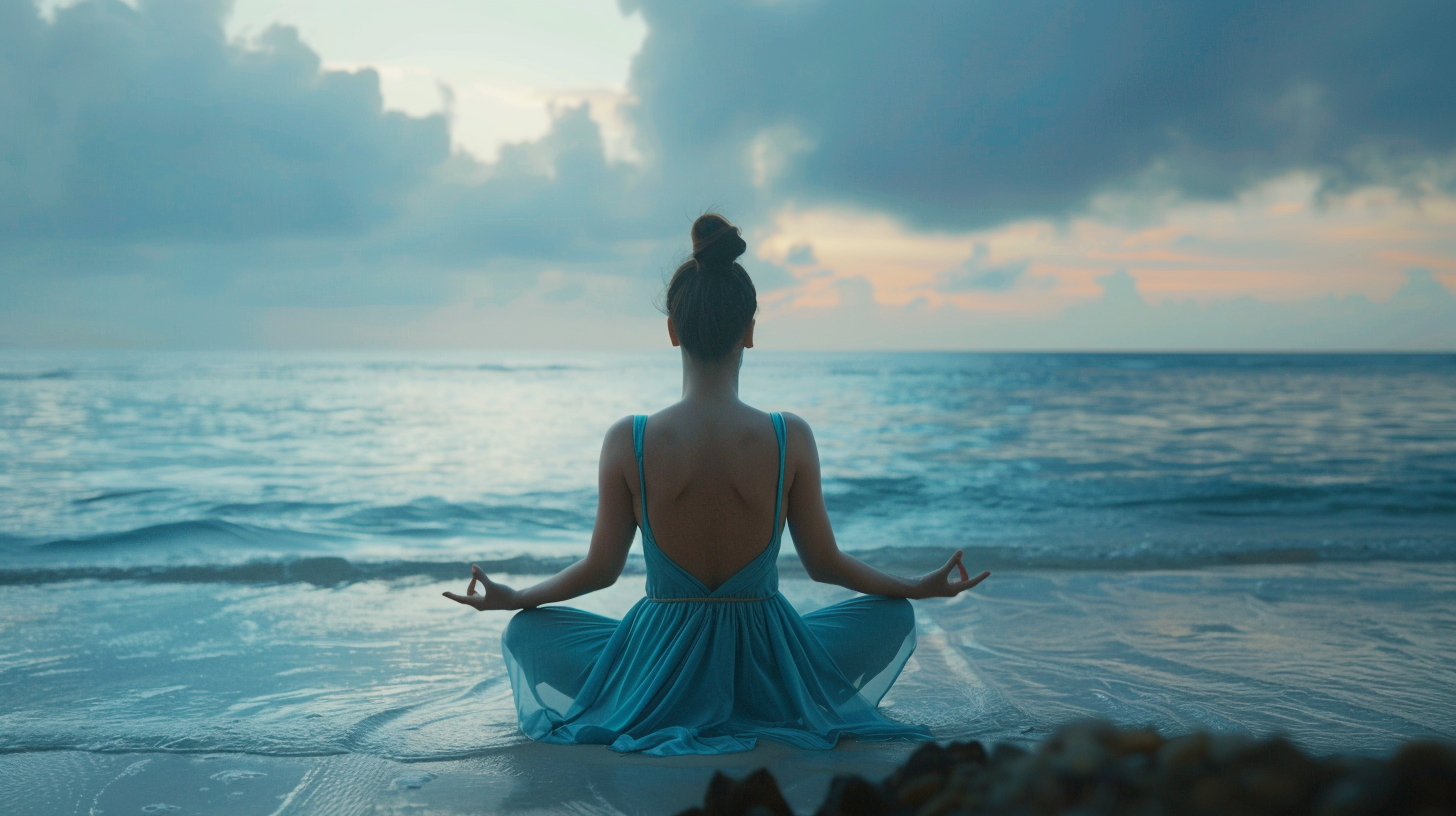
782	433
639	430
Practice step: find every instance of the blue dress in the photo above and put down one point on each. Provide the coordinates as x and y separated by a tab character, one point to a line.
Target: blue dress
696	671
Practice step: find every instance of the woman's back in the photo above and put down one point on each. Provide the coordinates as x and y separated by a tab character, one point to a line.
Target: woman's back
711	474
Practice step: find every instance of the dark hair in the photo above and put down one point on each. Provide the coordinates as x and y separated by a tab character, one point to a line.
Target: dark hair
710	298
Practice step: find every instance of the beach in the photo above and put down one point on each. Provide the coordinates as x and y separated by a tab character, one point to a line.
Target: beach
221	575
235	699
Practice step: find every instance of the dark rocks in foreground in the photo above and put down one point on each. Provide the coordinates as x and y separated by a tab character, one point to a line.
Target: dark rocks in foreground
1096	768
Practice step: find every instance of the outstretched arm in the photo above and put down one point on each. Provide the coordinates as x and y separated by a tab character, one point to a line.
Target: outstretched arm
611	539
814	537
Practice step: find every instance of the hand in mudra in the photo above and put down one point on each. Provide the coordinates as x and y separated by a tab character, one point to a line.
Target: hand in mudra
496	596
939	584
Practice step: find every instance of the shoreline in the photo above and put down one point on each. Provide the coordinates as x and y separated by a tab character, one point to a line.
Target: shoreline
528	779
390	703
1084	767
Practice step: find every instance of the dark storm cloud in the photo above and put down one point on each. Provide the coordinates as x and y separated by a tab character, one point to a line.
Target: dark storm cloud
145	124
964	112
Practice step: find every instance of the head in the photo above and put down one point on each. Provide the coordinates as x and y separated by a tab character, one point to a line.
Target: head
711	300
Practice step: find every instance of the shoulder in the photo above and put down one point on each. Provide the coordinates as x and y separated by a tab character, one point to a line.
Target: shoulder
796	426
800	435
618	439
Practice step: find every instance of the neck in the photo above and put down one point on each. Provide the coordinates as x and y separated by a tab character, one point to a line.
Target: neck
716	381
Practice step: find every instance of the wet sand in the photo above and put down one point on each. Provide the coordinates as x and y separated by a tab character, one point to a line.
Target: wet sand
377	697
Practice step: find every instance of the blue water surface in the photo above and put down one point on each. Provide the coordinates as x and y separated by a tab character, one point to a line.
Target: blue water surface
393	463
241	555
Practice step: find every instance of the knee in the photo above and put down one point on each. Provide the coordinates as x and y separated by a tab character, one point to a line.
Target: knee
520	628
901	613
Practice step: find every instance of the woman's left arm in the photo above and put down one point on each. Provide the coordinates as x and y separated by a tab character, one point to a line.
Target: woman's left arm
612	536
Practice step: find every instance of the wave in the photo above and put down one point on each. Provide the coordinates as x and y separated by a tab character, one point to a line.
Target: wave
507	368
1276	500
331	571
524	516
208	533
1149	557
273	509
323	571
908	497
28	376
514	368
120	494
435	517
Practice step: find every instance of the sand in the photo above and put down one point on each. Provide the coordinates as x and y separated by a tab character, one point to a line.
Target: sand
375	698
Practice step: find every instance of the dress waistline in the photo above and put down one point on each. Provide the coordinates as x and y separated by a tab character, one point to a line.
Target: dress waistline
708	600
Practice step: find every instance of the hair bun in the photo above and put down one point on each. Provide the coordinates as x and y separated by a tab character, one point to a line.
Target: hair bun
716	242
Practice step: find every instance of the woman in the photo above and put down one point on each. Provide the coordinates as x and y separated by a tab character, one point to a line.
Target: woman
713	657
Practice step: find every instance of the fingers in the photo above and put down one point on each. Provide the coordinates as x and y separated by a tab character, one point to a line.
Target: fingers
463	599
962	586
965	576
476	575
949	565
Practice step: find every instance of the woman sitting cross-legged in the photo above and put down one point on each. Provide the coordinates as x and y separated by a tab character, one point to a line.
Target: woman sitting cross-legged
714	657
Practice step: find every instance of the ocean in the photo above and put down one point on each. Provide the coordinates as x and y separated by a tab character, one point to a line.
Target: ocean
220	572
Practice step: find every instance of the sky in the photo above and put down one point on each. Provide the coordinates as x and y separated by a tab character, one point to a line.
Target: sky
928	174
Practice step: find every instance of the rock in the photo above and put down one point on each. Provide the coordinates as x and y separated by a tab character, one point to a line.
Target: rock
1095	768
1006	751
967	753
929	758
851	795
1425	778
914	793
757	794
1363	790
1184	751
1140	741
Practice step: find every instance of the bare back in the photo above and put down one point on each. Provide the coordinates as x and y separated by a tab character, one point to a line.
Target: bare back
711	481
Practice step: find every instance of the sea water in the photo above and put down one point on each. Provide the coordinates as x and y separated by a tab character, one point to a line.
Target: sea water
225	554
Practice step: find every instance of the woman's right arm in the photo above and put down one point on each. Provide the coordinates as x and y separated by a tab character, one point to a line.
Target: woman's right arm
612	536
808	521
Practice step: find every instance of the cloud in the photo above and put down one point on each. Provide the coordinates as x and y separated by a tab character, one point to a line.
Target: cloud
558	198
145	124
801	255
230	176
163	185
957	113
977	274
1421	315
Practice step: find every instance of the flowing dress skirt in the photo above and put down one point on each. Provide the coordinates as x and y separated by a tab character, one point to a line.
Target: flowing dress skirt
709	678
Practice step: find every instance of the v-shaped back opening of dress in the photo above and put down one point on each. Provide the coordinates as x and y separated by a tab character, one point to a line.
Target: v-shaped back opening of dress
770	550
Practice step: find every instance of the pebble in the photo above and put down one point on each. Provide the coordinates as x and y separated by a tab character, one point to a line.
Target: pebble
1094	767
411	782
